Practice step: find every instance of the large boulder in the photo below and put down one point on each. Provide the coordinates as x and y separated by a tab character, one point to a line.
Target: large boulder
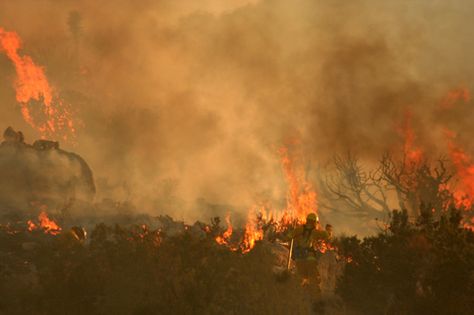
41	173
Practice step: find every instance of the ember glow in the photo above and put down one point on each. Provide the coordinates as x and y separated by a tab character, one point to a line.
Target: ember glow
41	108
31	225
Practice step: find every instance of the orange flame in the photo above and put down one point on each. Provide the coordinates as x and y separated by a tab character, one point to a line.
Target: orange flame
469	225
45	223
224	238
413	154
462	161
48	225
465	170
31	225
454	96
32	84
253	231
301	198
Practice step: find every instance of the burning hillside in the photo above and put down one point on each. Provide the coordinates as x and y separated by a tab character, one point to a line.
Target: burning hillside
248	157
175	267
226	260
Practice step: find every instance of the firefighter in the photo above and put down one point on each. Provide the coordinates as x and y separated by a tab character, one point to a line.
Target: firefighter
307	240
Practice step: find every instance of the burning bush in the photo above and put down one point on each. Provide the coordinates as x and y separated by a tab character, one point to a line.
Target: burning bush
137	269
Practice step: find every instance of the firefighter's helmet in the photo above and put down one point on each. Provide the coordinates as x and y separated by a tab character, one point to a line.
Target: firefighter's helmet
312	217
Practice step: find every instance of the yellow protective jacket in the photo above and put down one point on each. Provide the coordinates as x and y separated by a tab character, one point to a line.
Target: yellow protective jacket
306	241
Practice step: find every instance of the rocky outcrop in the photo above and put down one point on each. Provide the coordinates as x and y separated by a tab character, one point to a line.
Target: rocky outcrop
41	173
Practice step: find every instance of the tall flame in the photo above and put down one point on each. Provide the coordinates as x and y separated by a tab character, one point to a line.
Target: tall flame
464	164
53	118
302	198
462	161
253	230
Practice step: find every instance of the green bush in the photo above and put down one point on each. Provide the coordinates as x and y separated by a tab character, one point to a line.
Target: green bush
421	267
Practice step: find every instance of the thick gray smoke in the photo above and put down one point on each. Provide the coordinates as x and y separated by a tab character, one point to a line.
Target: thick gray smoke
188	100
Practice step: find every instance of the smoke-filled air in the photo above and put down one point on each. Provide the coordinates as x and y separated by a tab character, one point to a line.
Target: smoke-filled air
210	157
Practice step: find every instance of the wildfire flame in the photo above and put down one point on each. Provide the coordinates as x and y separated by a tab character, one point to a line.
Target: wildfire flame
301	198
31	225
253	231
462	161
54	118
463	193
45	224
465	170
48	225
412	153
224	238
454	96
